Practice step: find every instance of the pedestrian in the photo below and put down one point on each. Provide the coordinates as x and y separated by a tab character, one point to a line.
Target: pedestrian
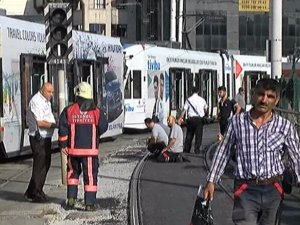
41	123
227	107
159	138
195	108
240	99
80	127
172	152
262	138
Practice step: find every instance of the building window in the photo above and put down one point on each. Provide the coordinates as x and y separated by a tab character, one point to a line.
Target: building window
99	4
120	4
97	28
118	30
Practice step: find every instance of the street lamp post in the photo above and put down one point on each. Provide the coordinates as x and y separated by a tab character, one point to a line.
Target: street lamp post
276	40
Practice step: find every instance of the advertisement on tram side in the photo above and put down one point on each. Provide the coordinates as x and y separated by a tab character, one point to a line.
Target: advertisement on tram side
16	37
88	46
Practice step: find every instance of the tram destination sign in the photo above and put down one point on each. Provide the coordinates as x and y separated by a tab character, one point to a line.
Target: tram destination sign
254	5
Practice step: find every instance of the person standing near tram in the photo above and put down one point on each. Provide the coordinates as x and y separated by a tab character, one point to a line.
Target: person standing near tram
195	108
41	123
80	127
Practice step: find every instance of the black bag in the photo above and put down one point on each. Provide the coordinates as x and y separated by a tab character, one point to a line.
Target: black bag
202	213
287	181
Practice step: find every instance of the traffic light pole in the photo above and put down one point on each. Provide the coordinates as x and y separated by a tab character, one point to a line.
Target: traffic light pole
62	105
59	52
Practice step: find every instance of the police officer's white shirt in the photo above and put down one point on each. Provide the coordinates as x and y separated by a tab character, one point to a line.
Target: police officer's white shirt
39	109
199	104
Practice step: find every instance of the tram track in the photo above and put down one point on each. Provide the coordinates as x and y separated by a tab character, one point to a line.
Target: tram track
135	209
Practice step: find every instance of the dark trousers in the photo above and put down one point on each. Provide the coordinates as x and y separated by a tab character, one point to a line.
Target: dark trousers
41	150
156	148
256	204
89	166
169	157
194	127
223	126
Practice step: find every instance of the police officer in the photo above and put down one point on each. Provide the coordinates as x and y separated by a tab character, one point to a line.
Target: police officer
80	127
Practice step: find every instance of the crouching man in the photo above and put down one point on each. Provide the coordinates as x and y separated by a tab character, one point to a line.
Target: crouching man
159	138
172	152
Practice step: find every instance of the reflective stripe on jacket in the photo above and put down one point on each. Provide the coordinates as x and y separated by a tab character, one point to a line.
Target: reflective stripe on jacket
79	131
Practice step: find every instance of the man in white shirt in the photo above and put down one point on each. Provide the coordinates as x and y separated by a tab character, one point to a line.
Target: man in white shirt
41	122
195	109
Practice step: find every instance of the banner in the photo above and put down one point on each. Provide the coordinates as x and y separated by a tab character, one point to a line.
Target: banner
254	5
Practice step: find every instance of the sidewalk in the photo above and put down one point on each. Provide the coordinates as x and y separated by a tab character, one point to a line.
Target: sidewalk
114	176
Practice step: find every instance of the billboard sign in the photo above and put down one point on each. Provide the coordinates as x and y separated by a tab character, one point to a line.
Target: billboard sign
254	5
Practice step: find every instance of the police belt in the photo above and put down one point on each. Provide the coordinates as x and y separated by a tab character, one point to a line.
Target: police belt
261	181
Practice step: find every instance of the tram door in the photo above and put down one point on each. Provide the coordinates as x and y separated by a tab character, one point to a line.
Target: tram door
206	81
33	76
250	79
181	81
2	150
90	71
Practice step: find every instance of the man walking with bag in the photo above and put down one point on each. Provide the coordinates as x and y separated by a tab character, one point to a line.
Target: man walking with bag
262	138
195	107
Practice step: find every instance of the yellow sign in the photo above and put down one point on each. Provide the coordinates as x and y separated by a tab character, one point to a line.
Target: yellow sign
254	5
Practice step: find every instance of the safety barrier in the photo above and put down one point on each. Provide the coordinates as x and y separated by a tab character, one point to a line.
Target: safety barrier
292	116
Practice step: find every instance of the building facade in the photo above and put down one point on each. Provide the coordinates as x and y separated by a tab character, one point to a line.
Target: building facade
225	27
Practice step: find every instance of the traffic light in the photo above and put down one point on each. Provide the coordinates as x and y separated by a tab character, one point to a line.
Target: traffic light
58	22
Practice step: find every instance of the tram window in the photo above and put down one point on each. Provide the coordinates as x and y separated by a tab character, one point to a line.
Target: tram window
137	84
189	84
228	87
37	77
127	89
214	92
204	84
177	88
179	91
1	88
86	72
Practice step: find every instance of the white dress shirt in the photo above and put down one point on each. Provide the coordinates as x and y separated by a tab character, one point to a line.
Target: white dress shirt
39	109
199	104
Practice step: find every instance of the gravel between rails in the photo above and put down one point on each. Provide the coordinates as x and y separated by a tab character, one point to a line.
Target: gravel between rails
112	197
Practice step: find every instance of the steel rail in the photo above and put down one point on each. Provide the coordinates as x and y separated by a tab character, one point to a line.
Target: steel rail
135	209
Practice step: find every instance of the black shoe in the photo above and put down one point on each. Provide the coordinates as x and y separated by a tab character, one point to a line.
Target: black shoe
179	158
90	208
44	197
28	197
70	204
39	199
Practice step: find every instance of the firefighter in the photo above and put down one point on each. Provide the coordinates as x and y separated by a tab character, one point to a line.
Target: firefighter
80	127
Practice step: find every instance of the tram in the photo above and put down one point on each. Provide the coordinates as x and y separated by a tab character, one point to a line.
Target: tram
159	75
158	80
23	70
